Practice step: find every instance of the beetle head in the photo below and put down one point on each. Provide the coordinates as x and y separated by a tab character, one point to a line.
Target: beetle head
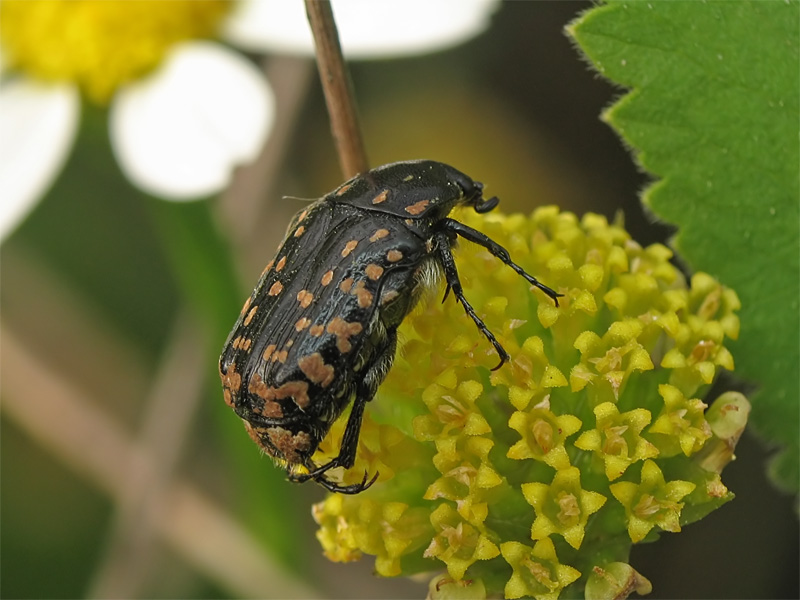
473	193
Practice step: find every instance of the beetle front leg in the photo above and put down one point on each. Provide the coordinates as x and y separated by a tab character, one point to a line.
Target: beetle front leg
476	237
454	283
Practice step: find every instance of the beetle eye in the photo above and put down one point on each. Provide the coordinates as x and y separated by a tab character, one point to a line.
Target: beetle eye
483	206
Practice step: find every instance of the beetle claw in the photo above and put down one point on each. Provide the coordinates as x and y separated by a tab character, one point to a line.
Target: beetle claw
503	360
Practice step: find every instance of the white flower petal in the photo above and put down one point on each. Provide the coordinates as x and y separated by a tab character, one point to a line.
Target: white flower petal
37	127
367	28
179	133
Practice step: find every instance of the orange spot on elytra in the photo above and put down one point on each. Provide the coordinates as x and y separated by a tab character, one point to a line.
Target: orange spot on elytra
373	271
259	387
379	235
304	297
363	296
246	305
231	380
314	367
343	331
344	188
394	255
291	446
250	315
280	356
267	268
417	207
349	247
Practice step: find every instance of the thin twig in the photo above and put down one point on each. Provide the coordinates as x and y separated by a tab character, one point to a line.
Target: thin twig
338	88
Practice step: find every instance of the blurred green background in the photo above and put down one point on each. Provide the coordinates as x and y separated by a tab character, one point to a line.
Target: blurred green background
123	472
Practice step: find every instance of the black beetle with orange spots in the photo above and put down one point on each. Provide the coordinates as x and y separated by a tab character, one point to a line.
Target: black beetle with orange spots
321	326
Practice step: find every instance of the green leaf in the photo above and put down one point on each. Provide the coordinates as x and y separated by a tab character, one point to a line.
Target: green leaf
713	114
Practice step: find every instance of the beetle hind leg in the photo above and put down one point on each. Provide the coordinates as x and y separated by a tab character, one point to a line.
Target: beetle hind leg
374	374
346	456
374	371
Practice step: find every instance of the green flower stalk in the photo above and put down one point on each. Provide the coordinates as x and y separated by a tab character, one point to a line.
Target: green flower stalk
536	479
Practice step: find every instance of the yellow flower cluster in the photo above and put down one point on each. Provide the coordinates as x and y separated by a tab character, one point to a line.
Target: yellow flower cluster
100	44
513	479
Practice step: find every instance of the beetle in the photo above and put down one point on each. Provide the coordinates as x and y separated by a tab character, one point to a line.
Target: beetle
320	328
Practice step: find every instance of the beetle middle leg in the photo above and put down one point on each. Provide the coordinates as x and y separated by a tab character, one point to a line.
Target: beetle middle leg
476	237
443	243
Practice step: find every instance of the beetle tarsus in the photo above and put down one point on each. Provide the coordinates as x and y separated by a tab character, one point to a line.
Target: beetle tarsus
355	488
318	476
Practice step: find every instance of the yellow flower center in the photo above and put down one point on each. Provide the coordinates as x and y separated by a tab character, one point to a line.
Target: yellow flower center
100	44
646	507
451	412
702	351
711	304
543	434
569	510
615	444
540	573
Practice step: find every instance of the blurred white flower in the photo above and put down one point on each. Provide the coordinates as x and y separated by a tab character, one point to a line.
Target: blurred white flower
37	127
367	28
180	133
180	129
